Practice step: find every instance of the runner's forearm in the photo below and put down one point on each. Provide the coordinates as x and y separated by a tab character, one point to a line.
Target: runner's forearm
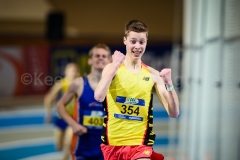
104	83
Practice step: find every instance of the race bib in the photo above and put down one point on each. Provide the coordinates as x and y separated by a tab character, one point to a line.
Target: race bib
93	119
130	108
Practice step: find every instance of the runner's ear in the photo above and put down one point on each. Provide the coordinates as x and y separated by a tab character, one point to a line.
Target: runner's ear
124	40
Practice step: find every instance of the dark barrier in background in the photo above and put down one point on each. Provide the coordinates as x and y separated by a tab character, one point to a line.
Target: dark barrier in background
55	26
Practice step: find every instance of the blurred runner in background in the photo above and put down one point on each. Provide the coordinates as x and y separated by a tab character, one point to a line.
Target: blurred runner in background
62	132
88	115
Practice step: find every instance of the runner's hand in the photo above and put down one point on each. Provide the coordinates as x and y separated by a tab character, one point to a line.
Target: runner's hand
79	129
118	58
166	76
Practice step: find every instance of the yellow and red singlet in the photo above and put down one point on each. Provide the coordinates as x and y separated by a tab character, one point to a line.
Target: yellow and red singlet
128	108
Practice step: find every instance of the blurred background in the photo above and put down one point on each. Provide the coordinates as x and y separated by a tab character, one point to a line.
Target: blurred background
198	39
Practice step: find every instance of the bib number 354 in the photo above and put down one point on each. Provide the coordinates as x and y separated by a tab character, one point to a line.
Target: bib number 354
130	110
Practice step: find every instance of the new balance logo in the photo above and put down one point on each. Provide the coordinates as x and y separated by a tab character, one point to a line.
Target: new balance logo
146	78
147	152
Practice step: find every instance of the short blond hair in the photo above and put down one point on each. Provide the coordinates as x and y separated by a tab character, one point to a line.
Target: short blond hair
99	45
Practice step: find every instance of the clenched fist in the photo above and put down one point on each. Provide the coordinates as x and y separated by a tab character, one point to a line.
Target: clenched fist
166	76
118	58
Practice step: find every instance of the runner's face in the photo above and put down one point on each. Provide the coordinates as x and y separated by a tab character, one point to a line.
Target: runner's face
100	58
72	72
136	44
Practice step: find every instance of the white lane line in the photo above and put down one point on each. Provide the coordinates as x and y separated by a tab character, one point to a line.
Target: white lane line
26	128
29	112
50	156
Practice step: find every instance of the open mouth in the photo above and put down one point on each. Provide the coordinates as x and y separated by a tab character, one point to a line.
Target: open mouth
136	53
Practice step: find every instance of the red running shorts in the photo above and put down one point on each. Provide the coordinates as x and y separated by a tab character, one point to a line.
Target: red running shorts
126	152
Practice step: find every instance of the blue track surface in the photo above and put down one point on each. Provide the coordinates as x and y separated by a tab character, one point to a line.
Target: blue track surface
26	151
18	152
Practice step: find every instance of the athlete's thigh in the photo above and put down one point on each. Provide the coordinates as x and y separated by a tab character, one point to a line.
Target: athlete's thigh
67	142
59	135
68	136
